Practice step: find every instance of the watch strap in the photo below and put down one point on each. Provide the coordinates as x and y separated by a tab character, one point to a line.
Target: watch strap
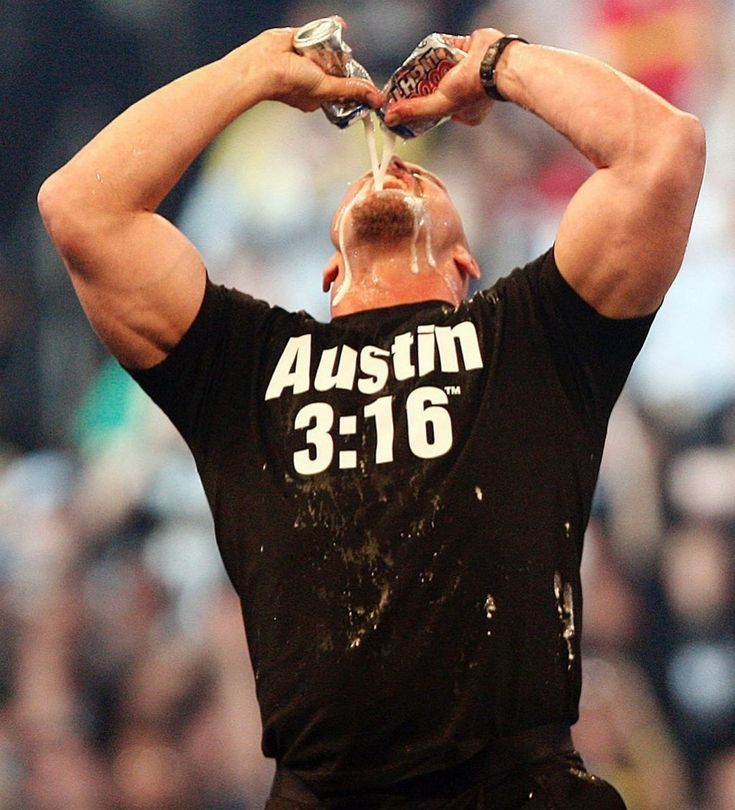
490	63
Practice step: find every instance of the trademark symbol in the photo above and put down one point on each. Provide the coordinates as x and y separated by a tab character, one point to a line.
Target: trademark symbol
452	390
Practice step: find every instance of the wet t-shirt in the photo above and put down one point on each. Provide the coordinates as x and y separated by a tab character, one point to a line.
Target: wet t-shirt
399	498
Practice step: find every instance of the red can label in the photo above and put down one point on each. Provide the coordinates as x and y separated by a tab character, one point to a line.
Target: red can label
420	75
422	78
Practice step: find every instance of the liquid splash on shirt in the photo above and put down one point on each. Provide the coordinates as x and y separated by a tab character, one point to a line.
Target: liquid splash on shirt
565	610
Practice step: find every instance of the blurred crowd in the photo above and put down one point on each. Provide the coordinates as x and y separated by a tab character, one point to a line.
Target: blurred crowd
124	677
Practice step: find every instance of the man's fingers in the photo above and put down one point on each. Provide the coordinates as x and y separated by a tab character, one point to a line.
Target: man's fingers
435	105
458	41
332	88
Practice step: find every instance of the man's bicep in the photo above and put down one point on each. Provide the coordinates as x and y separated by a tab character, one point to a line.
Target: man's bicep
622	239
141	287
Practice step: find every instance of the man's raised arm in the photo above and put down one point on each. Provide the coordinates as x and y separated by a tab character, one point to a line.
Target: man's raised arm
622	237
138	278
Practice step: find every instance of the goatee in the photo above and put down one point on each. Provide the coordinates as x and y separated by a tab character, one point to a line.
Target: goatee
387	215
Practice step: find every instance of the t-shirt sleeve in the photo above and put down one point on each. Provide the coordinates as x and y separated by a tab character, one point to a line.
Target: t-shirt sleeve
185	384
592	354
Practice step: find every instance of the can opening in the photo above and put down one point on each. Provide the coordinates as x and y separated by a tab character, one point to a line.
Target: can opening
315	32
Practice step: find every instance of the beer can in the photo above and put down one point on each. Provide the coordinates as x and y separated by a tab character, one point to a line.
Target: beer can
420	75
321	41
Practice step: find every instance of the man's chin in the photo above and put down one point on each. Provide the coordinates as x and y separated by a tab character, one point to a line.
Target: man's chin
389	214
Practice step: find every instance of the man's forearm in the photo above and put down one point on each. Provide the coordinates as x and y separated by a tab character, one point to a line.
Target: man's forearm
623	233
137	159
609	117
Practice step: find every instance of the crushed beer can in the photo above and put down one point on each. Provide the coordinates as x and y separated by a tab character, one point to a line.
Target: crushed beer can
420	75
321	41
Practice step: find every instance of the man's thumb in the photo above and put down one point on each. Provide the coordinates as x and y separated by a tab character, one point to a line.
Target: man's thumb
333	88
431	106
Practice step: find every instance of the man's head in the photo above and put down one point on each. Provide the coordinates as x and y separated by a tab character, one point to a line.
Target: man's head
406	238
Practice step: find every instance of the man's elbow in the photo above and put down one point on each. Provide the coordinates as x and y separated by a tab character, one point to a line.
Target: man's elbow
55	209
681	153
64	219
691	140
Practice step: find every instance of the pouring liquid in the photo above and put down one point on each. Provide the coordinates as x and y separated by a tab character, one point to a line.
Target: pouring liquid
379	168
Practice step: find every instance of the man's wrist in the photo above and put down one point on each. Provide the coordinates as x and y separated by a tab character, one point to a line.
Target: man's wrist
490	62
251	81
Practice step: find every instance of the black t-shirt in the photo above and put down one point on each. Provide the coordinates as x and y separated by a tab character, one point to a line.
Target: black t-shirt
400	498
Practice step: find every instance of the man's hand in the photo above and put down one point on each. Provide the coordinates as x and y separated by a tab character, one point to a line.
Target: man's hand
298	81
460	94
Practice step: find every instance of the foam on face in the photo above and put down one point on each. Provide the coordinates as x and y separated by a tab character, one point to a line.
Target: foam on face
417	205
379	169
431	261
347	279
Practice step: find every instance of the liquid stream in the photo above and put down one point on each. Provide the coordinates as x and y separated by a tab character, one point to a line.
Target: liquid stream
379	167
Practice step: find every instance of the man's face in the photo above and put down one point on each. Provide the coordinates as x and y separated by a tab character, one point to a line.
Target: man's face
383	217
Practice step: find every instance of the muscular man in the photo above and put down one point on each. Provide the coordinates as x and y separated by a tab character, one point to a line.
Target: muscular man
400	495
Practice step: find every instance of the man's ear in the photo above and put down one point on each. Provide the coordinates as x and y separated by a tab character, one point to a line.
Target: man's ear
465	262
331	271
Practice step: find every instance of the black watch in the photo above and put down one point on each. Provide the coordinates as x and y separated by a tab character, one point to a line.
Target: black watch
490	62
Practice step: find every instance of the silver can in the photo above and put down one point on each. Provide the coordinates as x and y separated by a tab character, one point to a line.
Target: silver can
420	75
321	41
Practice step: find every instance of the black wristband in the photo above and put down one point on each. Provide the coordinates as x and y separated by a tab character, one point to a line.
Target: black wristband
490	62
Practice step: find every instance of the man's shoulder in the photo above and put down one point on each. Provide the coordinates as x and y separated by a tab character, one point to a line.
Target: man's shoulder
521	279
238	304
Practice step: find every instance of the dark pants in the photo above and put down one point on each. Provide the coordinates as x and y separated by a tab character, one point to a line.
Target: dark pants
544	779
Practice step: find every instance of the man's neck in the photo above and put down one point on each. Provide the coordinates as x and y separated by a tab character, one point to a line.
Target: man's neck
398	279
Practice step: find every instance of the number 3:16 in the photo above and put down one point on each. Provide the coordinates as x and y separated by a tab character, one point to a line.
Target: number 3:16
428	420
